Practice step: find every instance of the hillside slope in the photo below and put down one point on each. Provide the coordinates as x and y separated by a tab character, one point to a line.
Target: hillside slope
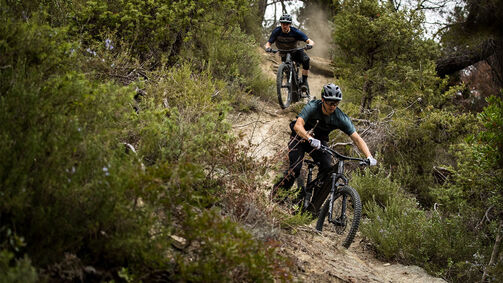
318	257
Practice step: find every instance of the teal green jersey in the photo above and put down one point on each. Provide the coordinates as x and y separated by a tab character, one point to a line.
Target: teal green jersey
313	115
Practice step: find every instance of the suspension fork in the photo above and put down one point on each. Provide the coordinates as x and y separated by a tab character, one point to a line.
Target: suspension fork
289	62
333	191
290	76
332	197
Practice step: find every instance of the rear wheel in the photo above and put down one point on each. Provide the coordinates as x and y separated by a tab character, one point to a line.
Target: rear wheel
284	86
346	214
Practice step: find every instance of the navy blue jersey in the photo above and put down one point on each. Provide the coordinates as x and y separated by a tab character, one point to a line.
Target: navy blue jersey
287	40
313	116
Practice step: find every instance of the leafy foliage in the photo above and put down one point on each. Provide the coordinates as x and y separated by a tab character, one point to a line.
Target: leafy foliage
64	162
401	230
387	59
387	69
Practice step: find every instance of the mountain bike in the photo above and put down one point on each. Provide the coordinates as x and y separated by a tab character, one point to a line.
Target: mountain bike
342	206
288	79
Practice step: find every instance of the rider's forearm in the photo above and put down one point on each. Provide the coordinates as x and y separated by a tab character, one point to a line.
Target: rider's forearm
309	41
300	130
361	144
303	133
267	45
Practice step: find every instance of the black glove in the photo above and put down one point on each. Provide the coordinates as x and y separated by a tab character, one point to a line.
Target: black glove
308	46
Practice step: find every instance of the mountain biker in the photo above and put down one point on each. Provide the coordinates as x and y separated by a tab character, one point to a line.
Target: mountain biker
286	37
319	117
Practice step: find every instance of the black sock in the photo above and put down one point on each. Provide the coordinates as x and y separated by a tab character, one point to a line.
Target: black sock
304	79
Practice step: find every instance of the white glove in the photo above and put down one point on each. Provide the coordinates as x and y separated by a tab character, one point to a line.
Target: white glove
315	143
372	161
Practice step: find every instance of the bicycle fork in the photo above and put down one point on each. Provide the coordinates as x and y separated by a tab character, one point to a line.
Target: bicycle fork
290	77
334	195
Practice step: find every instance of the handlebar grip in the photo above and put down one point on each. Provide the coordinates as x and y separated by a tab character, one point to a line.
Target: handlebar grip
365	163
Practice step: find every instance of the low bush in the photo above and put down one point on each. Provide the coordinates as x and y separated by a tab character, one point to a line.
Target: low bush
19	270
375	186
401	231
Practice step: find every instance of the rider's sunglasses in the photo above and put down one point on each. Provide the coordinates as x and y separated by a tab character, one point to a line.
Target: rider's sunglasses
332	103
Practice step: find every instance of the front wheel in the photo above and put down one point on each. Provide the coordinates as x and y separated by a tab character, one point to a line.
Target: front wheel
284	85
346	214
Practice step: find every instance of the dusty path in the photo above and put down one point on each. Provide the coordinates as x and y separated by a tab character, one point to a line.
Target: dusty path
317	256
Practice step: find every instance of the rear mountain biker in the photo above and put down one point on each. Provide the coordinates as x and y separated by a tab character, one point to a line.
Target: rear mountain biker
320	117
286	37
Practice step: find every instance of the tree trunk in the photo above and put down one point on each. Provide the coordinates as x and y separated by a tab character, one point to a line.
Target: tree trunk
460	60
367	96
496	63
262	6
496	250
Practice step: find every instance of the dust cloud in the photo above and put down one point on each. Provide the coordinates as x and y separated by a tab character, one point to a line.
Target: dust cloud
318	27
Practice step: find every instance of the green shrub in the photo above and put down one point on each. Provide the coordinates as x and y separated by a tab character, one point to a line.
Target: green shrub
375	187
69	187
21	271
394	229
63	164
224	252
418	143
186	114
401	231
473	193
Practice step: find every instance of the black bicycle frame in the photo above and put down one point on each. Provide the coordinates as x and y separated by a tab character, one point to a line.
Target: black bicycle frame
294	71
338	179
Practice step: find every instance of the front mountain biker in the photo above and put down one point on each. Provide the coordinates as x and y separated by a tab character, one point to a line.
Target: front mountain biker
319	117
286	37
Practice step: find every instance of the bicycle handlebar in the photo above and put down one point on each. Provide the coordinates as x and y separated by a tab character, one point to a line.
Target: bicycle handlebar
343	157
290	50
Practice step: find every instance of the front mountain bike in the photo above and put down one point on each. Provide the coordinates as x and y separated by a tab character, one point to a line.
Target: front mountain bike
288	80
329	196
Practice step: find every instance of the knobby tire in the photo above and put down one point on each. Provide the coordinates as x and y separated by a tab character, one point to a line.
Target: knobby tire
284	88
353	209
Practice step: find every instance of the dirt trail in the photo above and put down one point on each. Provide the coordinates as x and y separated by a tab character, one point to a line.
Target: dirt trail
317	256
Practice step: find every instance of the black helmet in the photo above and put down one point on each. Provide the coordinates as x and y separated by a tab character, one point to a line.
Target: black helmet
331	92
286	18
